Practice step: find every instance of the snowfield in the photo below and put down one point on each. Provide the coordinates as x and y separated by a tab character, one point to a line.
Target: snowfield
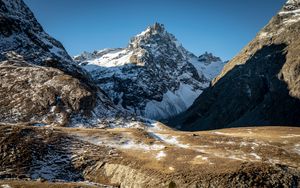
172	103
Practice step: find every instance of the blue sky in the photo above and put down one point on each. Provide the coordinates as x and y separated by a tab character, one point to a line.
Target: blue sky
222	27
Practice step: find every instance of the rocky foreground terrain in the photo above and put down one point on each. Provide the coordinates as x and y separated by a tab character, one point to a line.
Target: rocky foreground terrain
149	156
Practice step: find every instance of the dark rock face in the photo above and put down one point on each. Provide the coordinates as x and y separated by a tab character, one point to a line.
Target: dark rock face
260	86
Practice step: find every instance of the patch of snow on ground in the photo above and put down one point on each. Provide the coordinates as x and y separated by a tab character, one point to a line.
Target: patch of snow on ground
160	155
227	142
252	144
297	149
290	136
155	126
173	103
172	140
274	161
256	156
201	157
222	133
5	186
235	158
139	146
121	144
295	12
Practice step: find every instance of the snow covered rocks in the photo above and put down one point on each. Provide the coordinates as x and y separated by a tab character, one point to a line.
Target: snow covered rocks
154	76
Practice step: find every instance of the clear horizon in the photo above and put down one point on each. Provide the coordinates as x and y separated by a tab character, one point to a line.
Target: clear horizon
222	28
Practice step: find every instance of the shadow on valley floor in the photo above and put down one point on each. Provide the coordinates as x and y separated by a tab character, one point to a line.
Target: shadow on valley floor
251	94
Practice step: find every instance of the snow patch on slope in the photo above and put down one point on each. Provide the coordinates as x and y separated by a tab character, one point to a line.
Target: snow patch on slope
173	102
209	71
115	58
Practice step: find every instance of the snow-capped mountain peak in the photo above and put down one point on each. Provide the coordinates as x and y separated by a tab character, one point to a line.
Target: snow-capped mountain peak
154	29
153	76
156	40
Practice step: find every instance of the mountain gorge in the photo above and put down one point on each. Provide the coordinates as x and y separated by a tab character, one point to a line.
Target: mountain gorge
154	76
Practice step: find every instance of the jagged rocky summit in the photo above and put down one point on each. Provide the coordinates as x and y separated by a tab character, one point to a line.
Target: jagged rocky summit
154	76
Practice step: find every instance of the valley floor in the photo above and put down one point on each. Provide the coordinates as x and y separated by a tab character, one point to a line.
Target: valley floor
151	156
